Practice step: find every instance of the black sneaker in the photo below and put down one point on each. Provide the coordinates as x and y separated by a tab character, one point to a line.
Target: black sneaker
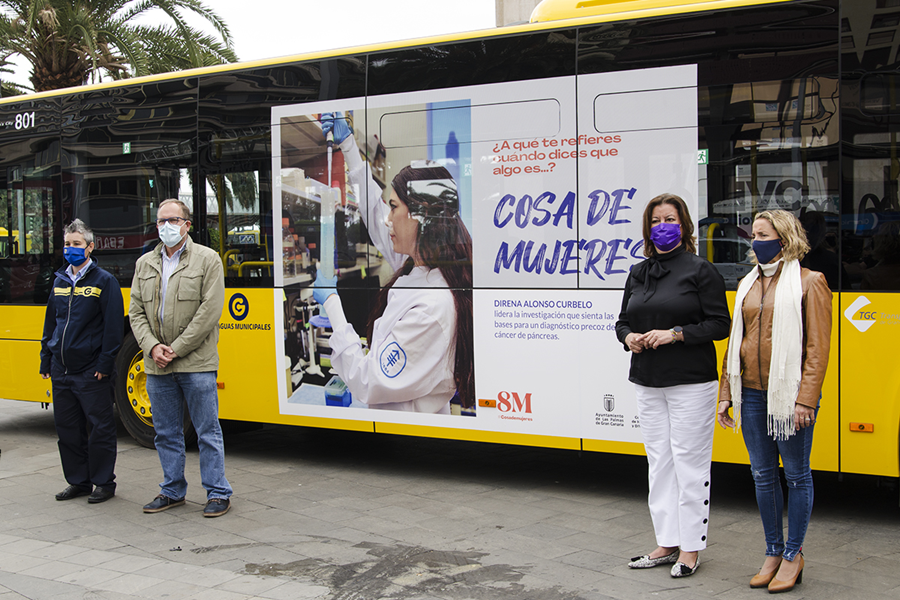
216	507
101	494
161	503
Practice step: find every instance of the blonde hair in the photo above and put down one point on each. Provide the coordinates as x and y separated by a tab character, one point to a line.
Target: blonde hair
790	230
185	211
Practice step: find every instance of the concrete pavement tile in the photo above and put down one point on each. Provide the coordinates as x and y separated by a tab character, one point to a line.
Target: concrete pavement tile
208	577
451	528
91	558
568	575
218	595
293	589
262	554
170	590
418	536
131	564
8	539
58	533
23	546
603	544
157	542
252	585
53	569
55	551
354	536
538	548
34	588
12	563
88	577
378	526
128	583
168	570
593	561
331	514
545	531
95	542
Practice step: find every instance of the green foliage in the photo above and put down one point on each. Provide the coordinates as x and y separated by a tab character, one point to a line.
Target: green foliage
72	42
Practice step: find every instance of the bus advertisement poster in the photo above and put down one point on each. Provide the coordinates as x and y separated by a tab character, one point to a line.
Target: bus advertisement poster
525	201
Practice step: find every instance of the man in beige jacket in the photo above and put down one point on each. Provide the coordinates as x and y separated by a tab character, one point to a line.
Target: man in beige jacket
176	301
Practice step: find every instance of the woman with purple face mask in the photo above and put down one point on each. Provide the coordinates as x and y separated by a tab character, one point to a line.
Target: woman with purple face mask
673	308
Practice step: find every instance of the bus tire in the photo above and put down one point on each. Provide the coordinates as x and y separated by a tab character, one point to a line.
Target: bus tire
132	400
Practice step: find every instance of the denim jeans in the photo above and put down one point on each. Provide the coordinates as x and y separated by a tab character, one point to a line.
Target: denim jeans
764	452
168	394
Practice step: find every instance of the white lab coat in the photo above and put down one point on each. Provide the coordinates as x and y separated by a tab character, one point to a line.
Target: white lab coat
411	355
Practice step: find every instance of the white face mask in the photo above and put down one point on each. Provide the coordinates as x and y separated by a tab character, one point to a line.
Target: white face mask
170	235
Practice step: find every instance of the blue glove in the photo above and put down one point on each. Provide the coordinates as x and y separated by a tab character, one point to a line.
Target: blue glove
336	124
324	287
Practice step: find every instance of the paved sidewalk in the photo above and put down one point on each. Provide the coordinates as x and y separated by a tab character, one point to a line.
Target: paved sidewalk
341	516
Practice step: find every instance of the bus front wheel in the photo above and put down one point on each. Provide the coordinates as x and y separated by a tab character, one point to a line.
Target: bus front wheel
132	400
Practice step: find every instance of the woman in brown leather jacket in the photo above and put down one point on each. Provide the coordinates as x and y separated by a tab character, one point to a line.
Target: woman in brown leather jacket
773	379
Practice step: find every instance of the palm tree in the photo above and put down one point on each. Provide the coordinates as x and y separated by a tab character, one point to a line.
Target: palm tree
72	42
7	88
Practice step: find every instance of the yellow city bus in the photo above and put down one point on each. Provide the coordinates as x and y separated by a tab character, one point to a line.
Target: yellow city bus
555	134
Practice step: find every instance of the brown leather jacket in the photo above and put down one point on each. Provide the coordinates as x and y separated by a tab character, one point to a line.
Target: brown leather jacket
756	347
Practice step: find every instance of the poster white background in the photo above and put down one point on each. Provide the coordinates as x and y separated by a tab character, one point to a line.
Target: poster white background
557	197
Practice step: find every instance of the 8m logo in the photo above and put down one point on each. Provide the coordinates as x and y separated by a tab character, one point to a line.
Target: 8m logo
512	402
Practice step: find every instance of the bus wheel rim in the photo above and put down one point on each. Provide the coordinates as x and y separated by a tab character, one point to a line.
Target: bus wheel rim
136	387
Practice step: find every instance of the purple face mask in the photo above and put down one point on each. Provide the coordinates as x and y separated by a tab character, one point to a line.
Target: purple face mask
665	236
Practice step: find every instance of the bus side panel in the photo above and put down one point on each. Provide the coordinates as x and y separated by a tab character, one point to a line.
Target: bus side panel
728	446
20	354
870	389
20	363
248	362
827	440
472	435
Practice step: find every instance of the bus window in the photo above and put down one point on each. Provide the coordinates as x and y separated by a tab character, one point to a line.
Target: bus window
234	224
131	151
771	145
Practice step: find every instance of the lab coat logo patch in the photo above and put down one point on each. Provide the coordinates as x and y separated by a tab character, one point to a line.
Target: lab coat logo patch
393	360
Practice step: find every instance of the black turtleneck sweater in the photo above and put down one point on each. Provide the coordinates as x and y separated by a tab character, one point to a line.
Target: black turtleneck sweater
675	288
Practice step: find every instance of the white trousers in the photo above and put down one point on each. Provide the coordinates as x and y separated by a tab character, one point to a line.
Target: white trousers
677	424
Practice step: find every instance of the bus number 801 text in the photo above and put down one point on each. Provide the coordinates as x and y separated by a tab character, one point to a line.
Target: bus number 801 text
24	120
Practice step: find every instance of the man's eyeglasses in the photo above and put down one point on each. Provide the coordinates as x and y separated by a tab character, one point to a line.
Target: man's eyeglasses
176	221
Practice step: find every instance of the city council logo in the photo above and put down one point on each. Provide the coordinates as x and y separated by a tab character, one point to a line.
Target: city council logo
239	307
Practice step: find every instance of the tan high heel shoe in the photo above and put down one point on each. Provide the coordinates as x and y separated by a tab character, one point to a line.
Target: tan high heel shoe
776	586
761	580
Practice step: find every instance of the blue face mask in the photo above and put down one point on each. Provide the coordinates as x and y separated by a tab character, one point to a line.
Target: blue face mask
766	251
74	256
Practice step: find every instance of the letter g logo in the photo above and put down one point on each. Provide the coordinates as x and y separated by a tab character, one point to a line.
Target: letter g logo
239	307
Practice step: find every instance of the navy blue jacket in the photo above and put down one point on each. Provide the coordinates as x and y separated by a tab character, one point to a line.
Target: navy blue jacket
84	324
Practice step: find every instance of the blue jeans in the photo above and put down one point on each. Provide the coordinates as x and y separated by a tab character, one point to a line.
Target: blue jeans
764	453
168	394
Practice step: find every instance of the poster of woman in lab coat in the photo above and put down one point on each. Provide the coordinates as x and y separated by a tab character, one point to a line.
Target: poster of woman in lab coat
412	349
420	329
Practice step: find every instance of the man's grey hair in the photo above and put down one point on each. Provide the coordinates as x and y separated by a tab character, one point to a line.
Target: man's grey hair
185	211
78	226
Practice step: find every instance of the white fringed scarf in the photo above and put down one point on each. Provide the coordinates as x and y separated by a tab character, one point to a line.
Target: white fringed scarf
785	365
